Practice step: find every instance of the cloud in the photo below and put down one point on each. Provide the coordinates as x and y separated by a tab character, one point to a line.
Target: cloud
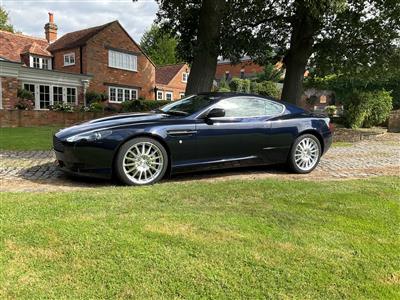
30	16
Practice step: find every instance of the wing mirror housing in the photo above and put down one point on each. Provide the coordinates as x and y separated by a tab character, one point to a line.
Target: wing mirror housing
216	113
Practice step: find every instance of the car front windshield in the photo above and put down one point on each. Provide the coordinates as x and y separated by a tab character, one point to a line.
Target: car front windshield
188	106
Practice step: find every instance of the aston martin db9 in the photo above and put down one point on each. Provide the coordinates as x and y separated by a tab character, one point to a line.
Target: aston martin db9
204	131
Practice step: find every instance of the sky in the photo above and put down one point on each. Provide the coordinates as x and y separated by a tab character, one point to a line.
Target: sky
29	17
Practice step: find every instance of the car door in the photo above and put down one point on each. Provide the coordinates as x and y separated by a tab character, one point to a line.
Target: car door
241	134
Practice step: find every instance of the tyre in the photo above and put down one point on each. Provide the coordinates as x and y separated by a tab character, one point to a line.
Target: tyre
141	161
305	154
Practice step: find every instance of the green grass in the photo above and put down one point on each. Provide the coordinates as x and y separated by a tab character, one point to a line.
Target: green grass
233	239
27	138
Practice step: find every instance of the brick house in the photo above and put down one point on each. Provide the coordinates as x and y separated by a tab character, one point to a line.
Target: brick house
246	68
103	59
171	81
118	65
26	63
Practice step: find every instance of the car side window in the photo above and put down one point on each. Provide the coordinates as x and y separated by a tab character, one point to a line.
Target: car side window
241	107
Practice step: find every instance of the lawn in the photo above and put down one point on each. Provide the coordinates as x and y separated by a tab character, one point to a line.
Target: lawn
27	138
230	239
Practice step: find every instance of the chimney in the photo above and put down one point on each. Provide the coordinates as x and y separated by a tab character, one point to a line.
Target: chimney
50	29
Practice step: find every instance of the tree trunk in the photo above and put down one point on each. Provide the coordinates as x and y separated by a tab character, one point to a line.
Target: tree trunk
304	27
207	48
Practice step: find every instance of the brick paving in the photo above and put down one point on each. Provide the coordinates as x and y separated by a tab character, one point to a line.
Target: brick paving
37	170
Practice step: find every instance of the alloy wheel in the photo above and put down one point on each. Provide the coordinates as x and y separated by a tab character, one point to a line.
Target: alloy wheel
306	154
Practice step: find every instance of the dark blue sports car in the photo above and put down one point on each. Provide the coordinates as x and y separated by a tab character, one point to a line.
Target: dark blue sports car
203	131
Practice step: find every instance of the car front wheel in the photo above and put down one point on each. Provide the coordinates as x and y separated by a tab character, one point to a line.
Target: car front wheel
141	161
305	154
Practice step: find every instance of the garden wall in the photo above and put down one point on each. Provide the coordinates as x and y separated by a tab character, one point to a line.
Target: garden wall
394	121
31	118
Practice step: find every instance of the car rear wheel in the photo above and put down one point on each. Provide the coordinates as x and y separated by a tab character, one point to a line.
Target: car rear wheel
141	161
305	154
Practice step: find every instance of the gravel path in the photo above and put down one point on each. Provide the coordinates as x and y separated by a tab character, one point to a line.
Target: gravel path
37	170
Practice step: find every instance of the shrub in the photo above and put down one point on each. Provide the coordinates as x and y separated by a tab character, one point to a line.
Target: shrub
254	87
62	107
92	97
223	84
224	90
269	88
95	107
330	110
25	101
246	85
142	105
236	85
24	104
367	109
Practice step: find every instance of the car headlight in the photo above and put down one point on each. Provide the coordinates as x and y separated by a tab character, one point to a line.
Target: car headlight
89	136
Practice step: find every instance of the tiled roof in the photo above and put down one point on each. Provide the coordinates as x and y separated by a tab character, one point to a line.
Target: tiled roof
15	44
76	38
166	73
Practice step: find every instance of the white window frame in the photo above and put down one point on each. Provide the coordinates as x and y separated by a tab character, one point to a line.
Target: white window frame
182	95
41	60
51	93
121	60
117	89
185	76
171	94
67	59
162	95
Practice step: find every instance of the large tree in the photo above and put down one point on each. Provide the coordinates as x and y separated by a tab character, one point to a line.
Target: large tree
343	36
198	26
159	45
4	21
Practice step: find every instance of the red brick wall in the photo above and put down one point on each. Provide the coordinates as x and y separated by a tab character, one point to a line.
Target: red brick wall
58	60
97	63
29	118
176	85
249	67
9	87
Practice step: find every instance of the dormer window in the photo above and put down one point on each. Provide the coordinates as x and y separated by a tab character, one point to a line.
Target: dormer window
38	62
69	59
185	76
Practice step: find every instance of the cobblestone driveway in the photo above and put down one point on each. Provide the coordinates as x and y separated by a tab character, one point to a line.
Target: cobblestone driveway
37	170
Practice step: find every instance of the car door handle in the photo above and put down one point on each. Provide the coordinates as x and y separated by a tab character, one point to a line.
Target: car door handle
181	132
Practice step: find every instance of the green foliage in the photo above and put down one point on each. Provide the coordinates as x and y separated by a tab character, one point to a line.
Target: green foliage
4	21
271	73
95	107
142	105
65	107
253	87
330	110
236	85
268	88
92	96
367	109
25	94
223	84
159	45
224	90
246	85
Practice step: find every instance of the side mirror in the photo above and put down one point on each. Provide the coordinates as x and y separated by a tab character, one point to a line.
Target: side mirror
216	113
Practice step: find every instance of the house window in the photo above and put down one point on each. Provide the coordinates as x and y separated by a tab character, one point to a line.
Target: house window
182	95
71	96
169	96
185	77
44	96
57	95
242	73
160	95
119	94
69	59
112	94
47	95
40	62
122	60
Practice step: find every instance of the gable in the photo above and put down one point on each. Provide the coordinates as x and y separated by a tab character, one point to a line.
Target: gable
165	74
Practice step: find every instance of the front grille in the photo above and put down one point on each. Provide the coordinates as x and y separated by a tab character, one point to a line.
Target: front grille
57	144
